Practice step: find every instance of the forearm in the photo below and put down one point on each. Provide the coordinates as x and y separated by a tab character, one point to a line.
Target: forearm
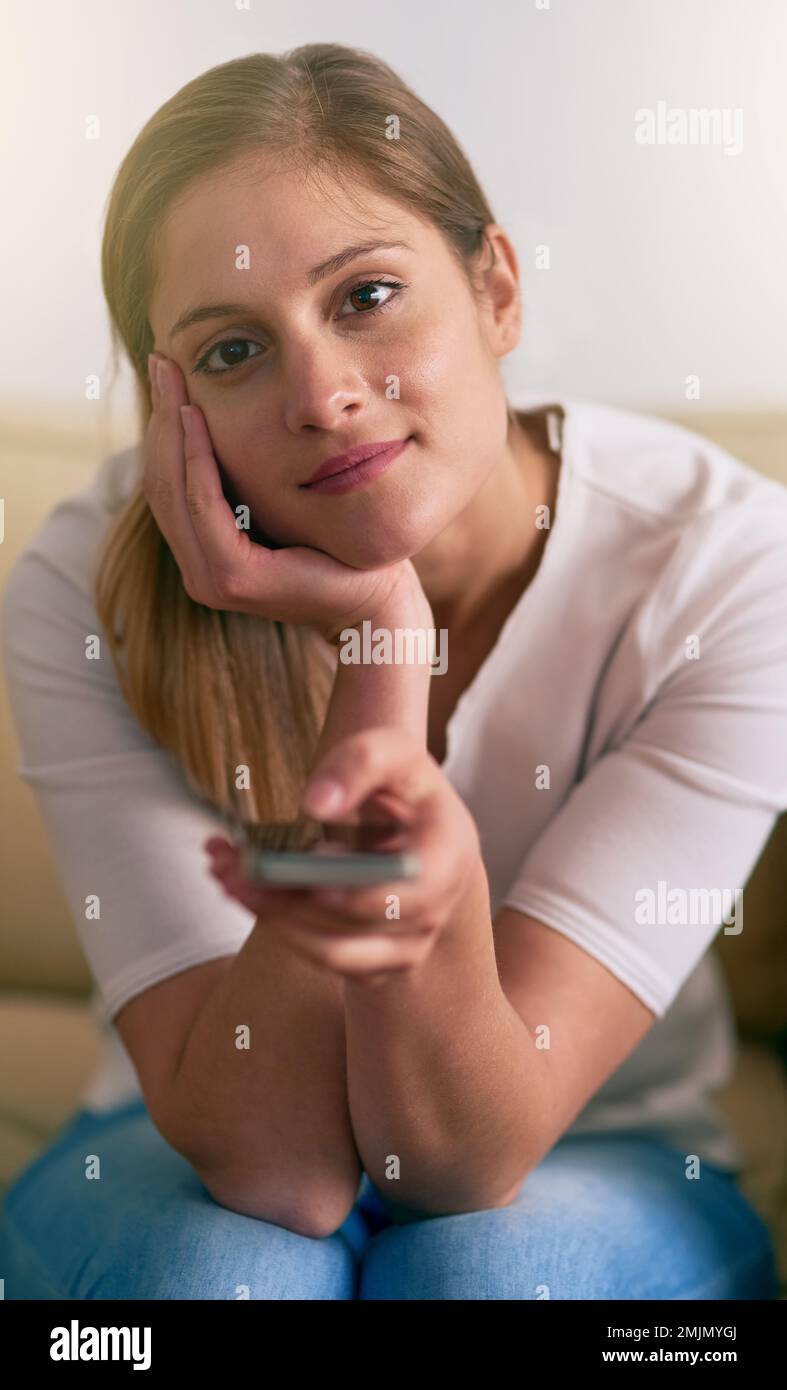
444	1077
269	1127
261	1089
366	695
442	1073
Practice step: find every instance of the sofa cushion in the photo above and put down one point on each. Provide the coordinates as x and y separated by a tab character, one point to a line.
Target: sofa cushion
51	1046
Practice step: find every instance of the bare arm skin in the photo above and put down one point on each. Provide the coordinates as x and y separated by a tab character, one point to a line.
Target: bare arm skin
268	1127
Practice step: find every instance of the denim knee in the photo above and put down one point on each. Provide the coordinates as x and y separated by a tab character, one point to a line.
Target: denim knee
606	1218
148	1228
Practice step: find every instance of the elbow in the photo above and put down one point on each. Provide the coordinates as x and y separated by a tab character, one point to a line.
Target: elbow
448	1201
309	1211
317	1207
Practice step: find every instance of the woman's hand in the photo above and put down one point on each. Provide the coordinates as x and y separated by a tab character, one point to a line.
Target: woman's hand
354	932
220	564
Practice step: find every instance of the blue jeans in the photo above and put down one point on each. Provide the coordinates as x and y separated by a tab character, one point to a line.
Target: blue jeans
602	1217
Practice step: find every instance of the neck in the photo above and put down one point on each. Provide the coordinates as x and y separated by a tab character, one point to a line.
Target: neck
494	543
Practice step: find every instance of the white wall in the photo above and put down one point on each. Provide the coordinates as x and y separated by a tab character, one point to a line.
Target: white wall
666	260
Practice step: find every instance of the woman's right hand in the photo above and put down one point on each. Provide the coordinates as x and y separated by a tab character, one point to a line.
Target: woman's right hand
220	564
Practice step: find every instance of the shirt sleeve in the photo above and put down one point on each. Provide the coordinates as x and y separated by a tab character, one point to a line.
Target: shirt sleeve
125	828
648	855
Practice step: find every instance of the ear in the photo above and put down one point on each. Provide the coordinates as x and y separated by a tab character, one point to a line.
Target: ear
497	280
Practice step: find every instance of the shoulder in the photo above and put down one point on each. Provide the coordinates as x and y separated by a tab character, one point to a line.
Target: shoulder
52	575
49	623
666	475
690	533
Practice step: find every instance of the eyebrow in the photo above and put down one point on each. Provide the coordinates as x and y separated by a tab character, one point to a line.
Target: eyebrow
313	276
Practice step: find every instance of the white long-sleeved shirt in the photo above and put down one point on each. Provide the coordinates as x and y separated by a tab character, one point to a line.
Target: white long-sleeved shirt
622	748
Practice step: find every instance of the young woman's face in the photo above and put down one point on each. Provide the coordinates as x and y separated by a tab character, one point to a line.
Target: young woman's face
391	345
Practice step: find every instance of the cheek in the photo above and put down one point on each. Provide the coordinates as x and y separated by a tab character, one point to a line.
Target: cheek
438	361
230	421
237	430
227	425
248	479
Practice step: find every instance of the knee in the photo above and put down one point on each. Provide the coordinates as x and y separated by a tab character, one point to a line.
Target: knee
187	1249
504	1253
218	1254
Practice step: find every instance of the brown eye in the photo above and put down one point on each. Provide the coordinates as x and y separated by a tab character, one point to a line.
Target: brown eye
231	353
363	296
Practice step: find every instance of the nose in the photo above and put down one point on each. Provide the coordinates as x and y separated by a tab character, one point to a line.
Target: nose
322	389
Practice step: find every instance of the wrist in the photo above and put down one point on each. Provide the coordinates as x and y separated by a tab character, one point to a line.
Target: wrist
404	604
463	948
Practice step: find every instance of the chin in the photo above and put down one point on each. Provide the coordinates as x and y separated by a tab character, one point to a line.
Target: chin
373	546
370	556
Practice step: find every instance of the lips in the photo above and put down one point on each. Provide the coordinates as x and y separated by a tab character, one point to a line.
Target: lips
340	462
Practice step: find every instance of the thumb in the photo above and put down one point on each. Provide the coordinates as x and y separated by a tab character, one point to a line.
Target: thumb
375	761
325	795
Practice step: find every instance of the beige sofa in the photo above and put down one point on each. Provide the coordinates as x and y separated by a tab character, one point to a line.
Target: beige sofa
48	1039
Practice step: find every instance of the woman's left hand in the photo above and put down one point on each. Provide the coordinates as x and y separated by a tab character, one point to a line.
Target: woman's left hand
369	933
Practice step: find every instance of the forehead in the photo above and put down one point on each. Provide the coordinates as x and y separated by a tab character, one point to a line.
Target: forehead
288	221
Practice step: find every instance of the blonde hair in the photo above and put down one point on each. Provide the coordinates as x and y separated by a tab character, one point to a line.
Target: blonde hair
222	690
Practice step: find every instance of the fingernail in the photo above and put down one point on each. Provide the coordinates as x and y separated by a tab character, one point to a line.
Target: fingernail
161	377
215	843
325	794
185	415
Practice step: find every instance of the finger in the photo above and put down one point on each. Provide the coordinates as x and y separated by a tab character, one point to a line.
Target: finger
220	564
333	919
285	584
382	760
366	955
258	900
292	584
152	376
356	956
165	476
216	842
224	856
269	900
387	905
445	842
226	865
227	550
320	909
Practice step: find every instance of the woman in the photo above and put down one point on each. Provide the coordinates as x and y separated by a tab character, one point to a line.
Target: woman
493	1081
